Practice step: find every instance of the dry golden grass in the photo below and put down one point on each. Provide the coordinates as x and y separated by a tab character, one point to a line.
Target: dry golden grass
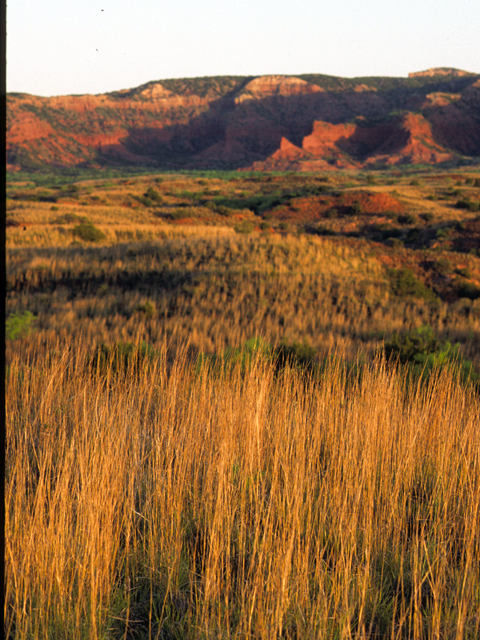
216	289
176	500
182	498
45	236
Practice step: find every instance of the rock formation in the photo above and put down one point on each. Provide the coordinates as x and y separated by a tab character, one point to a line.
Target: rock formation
302	123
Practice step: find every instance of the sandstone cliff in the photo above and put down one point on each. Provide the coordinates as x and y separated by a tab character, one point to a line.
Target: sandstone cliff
304	123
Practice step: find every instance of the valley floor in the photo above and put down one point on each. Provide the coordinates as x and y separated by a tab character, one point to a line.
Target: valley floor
243	406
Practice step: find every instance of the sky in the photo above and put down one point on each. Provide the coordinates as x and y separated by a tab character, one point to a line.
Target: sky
60	47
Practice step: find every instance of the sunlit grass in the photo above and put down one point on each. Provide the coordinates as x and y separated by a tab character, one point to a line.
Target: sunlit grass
176	500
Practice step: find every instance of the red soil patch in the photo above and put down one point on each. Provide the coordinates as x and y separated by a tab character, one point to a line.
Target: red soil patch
372	202
314	208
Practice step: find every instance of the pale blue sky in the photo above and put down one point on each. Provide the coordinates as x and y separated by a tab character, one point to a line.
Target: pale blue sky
56	47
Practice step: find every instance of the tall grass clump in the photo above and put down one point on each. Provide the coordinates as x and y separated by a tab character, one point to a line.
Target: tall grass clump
168	499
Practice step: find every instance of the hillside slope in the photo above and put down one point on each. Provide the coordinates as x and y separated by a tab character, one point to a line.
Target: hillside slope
271	122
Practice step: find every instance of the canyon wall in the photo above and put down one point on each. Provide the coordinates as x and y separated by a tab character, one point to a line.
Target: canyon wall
303	123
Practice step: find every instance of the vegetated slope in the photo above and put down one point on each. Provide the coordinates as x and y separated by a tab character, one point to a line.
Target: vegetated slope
304	123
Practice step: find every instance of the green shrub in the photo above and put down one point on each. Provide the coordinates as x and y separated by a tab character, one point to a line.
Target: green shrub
467	290
144	200
19	325
179	213
404	283
422	352
224	211
443	266
414	346
396	243
299	355
88	232
407	218
153	195
321	230
246	226
356	209
470	205
295	354
428	216
70	218
250	351
121	357
148	308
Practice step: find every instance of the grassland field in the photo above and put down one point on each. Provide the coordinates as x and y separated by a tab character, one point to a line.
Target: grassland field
243	405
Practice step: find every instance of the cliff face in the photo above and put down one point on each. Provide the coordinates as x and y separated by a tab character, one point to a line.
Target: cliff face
271	122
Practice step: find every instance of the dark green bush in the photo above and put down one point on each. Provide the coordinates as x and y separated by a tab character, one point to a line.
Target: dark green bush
428	216
407	218
404	283
224	211
298	355
356	209
414	346
470	205
422	352
333	213
294	354
144	200
178	213
121	357
147	308
443	266
467	290
153	195
320	230
88	232
396	243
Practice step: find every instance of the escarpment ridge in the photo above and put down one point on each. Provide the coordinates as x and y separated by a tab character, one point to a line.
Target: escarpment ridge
302	123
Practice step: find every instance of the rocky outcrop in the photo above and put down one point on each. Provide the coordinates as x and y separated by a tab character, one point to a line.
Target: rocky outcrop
269	122
269	86
405	140
440	71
